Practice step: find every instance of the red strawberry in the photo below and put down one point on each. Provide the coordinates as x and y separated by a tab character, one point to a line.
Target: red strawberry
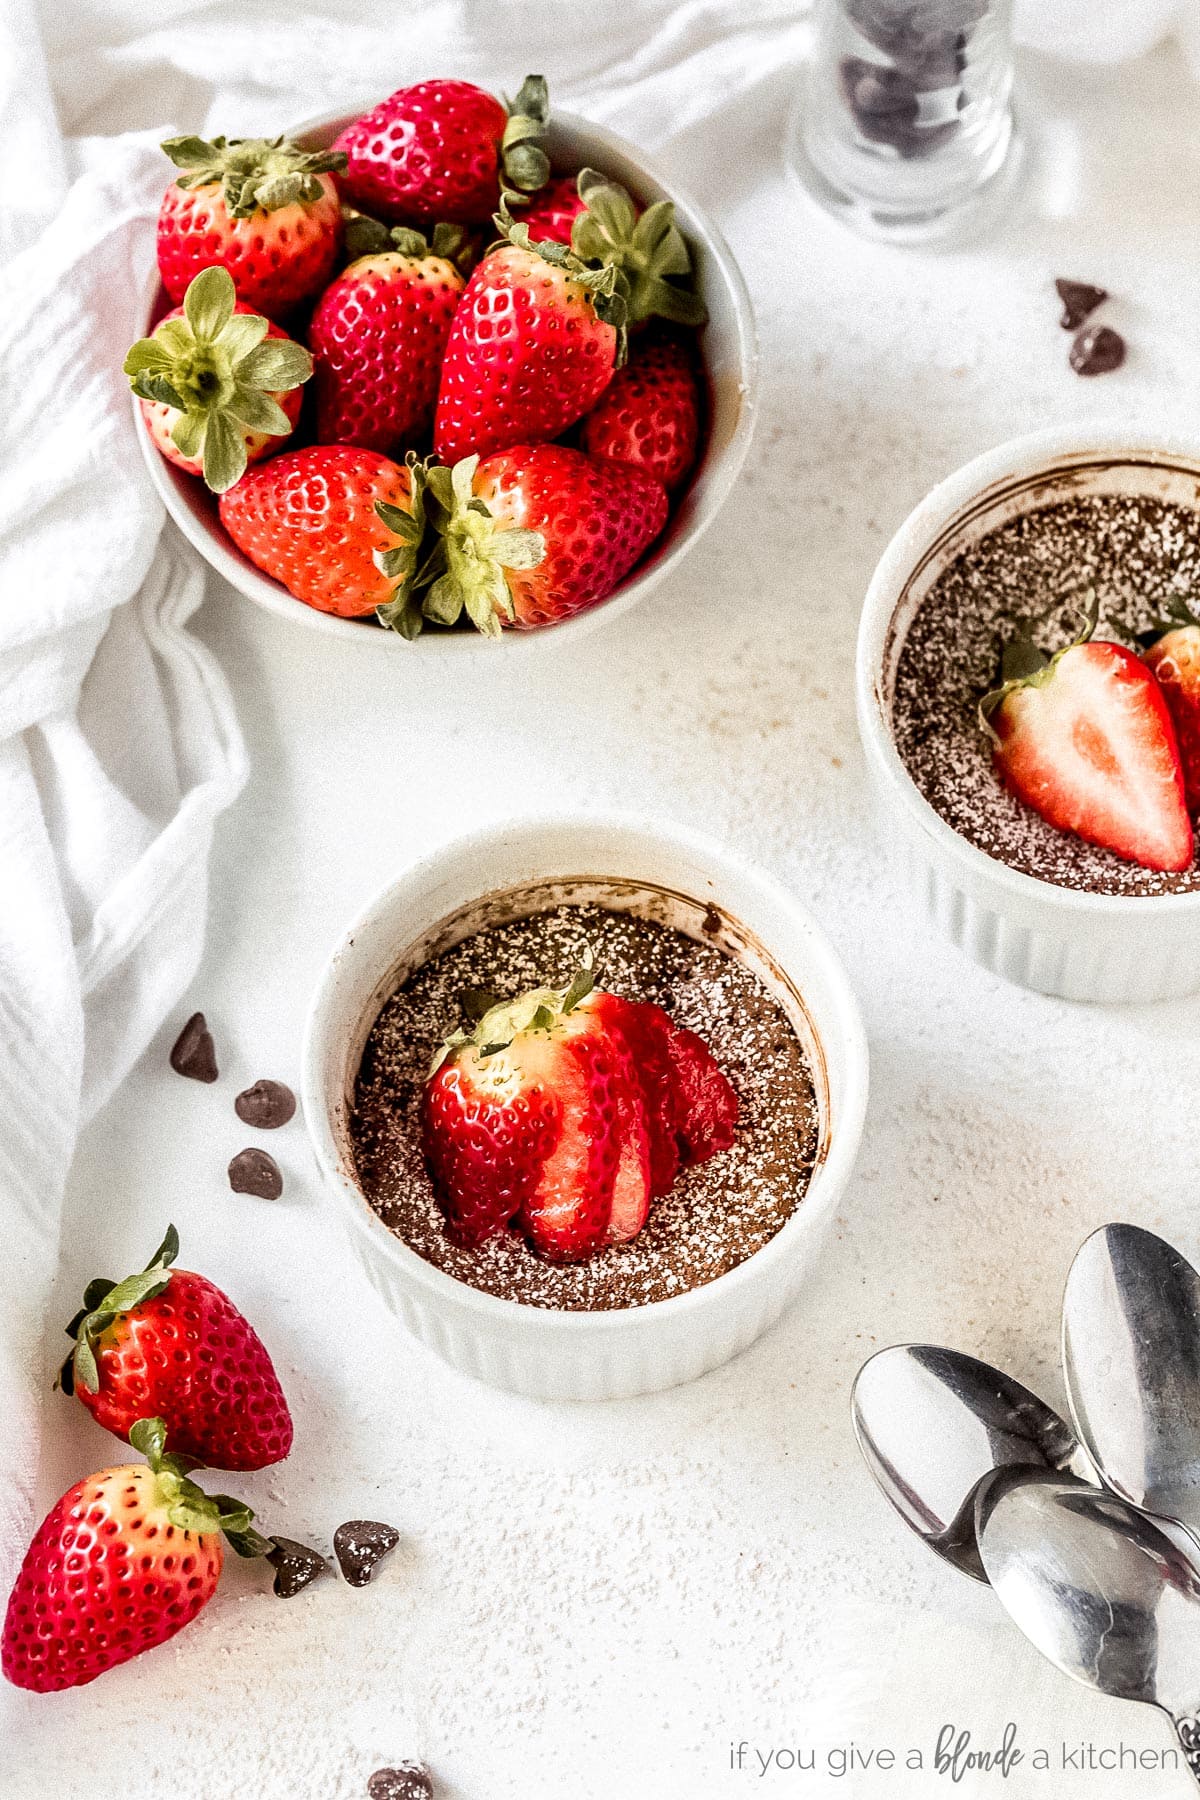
219	385
556	532
1085	739
266	210
378	337
339	527
437	150
1175	662
529	352
706	1105
649	414
168	1342
690	1107
643	1028
535	1114
126	1559
551	215
569	1213
488	1124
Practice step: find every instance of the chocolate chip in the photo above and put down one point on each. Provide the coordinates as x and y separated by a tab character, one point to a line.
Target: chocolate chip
711	922
295	1565
408	1781
254	1172
1079	299
266	1105
1097	350
193	1053
361	1543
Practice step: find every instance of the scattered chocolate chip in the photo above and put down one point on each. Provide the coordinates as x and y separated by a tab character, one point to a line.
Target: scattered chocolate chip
408	1781
295	1565
361	1543
266	1105
1079	299
1097	350
193	1053
254	1172
711	922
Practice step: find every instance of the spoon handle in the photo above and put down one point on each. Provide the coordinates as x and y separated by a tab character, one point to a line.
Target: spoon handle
1187	1730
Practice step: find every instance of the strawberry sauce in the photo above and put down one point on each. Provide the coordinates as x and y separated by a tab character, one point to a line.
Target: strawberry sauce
717	1214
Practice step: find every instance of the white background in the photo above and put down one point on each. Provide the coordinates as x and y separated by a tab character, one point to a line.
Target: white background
596	1601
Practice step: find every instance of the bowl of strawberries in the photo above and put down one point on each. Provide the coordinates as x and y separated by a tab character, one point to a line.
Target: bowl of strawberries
450	368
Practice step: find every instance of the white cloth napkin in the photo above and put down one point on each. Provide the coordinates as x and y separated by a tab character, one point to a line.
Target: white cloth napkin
118	745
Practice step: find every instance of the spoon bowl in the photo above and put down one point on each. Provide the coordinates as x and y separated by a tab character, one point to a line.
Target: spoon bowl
933	1424
1098	1589
1131	1355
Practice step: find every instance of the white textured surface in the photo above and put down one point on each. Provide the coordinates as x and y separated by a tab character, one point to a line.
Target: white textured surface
592	1602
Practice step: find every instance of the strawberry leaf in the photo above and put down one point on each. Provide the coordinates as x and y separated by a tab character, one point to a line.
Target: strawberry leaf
258	412
209	302
224	453
523	156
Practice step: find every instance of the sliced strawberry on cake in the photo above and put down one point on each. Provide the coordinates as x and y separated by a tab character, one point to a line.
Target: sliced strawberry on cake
564	1112
1085	738
1174	659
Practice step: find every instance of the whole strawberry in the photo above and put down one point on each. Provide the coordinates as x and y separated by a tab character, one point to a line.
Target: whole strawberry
649	414
532	535
532	347
125	1560
265	209
1174	659
170	1343
551	214
437	151
219	385
378	336
339	527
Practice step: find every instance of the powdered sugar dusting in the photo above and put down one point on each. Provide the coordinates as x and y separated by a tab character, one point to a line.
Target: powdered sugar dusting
717	1214
1135	552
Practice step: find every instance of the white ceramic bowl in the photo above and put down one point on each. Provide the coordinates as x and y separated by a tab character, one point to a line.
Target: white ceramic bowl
1097	947
731	358
658	870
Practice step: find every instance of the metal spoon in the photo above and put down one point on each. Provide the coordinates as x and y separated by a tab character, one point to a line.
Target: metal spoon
1100	1591
1131	1353
932	1424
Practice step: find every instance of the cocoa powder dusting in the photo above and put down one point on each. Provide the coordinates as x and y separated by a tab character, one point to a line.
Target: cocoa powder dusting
1135	552
718	1213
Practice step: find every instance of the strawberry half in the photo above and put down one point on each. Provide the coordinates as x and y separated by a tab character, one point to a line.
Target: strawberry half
649	414
1174	660
170	1343
339	527
219	385
378	336
125	1560
1084	737
437	151
266	210
532	535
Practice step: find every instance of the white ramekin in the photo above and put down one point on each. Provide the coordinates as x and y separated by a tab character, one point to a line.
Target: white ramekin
669	874
1098	947
731	361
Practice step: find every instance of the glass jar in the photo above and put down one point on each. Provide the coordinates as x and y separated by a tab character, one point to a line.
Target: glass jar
904	125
